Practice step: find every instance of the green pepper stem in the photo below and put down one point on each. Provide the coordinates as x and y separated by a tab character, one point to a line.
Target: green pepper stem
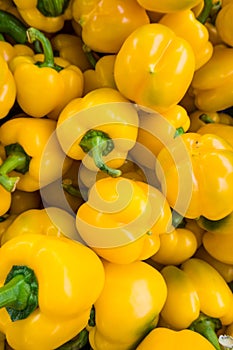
98	144
77	342
203	16
34	34
179	131
89	54
19	295
206	118
52	8
207	326
11	25
70	188
17	160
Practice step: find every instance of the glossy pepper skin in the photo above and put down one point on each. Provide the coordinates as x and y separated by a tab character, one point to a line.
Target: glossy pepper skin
187	26
223	23
168	5
120	17
223	130
7	88
219	246
55	81
212	83
9	51
222	226
199	118
59	313
25	140
164	338
123	231
159	78
124	284
48	16
211	191
99	128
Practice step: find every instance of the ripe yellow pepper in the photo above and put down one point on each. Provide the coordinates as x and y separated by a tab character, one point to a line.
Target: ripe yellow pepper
70	47
222	226
186	26
223	23
163	338
101	76
120	18
160	77
212	84
199	119
9	51
168	5
122	219
25	140
219	246
128	306
44	84
5	200
7	88
48	16
48	306
224	131
210	191
99	129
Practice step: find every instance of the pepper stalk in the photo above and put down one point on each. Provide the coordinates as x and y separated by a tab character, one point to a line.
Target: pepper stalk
52	8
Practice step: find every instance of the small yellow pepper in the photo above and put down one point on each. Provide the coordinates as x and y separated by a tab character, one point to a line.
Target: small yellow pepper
163	338
186	25
199	119
48	306
159	77
101	76
219	246
122	219
7	88
70	47
120	18
210	192
99	129
224	25
135	290
44	84
168	6
48	16
9	51
212	84
25	140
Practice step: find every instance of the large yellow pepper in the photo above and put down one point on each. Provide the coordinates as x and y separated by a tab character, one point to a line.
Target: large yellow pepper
99	129
44	84
7	88
122	219
128	306
159	77
25	140
210	191
48	16
120	18
163	338
168	5
213	84
185	25
48	306
224	131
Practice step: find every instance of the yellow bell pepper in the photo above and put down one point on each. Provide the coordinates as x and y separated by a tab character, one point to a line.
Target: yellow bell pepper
225	270
122	219
47	307
100	128
101	76
175	247
199	119
48	16
224	25
222	226
186	25
70	47
168	6
120	18
212	84
135	290
7	88
209	192
44	84
224	131
9	51
219	246
5	201
159	77
25	140
163	338
155	131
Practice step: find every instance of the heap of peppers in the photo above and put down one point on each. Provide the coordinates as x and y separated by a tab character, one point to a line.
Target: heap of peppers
116	175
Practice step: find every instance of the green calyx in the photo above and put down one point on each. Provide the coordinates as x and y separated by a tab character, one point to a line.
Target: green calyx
35	35
207	327
98	144
77	342
18	160
12	26
19	295
52	8
205	13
